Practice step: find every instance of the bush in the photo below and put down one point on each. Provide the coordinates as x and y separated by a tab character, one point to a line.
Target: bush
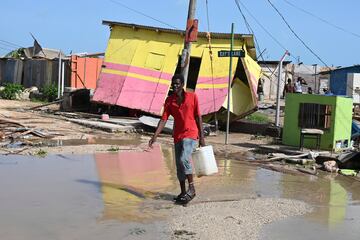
50	92
11	90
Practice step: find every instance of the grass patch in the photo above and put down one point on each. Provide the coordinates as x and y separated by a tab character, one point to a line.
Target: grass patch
113	149
41	153
258	118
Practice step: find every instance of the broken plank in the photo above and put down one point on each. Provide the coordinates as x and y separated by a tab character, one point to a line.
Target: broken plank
46	104
108	127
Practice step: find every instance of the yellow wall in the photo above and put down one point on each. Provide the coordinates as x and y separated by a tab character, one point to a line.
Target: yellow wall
139	44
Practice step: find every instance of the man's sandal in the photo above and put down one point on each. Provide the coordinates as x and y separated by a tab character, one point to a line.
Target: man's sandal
186	198
178	197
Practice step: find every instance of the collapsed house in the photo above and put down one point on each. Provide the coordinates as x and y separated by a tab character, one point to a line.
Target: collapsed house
140	61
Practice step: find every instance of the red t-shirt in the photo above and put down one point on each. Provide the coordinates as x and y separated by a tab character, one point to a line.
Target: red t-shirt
184	116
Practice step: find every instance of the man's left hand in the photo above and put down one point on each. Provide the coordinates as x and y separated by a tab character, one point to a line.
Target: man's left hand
202	142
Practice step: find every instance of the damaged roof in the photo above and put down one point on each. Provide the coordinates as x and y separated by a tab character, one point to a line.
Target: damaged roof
247	38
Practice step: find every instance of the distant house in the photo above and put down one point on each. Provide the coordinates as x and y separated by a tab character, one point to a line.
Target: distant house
140	61
346	81
39	68
32	68
270	78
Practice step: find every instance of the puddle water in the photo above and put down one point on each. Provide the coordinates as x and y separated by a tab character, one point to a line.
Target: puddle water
128	194
79	142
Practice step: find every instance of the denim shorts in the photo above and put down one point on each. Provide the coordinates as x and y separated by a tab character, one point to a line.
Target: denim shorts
183	150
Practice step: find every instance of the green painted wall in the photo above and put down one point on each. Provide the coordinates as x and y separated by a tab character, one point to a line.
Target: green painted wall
340	127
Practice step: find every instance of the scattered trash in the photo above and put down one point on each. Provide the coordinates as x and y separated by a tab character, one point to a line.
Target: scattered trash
304	158
331	166
104	117
348	172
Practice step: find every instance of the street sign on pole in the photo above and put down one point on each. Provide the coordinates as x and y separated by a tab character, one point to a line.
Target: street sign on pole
233	53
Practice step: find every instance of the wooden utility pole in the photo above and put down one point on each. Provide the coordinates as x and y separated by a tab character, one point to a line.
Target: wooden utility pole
185	56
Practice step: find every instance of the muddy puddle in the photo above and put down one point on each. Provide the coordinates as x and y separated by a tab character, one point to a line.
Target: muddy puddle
80	142
127	195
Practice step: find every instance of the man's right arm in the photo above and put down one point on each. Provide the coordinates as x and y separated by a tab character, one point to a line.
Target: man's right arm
159	128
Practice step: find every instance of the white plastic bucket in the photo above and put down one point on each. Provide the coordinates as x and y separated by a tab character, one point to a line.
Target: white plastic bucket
204	161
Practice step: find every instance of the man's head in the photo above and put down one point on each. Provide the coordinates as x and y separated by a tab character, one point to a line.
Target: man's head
177	83
289	80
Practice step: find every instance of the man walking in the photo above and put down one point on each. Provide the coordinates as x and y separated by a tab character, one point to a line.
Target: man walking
184	107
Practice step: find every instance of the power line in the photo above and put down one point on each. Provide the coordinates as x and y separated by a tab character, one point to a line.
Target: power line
272	36
7	49
323	20
238	2
10	44
296	35
143	14
245	20
273	72
257	45
262	26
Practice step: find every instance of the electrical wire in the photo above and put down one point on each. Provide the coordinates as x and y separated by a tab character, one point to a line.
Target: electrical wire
256	41
245	20
253	17
7	49
322	20
143	14
295	34
10	44
275	70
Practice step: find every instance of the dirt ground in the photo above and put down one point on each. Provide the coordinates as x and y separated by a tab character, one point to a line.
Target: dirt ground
63	131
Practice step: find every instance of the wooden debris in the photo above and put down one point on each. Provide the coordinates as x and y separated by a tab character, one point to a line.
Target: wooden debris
46	104
108	127
281	156
311	171
11	122
16	152
301	161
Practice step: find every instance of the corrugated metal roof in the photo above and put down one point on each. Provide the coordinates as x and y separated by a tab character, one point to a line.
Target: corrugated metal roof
338	69
248	38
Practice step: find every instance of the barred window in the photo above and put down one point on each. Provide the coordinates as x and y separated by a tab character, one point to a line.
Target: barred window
312	115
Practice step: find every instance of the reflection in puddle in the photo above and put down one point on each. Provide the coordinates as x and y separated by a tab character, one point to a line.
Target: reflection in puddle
89	140
128	179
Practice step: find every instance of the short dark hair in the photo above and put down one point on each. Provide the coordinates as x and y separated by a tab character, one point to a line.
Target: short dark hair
178	76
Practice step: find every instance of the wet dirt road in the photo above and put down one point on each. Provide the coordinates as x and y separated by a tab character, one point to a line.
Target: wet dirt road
127	195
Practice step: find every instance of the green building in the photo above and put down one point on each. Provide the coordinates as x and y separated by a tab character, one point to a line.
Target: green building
331	115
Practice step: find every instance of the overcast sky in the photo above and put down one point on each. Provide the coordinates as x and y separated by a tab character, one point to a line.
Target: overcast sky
76	25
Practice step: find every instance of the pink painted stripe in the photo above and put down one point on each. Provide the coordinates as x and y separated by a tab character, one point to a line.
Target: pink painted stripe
210	80
143	95
138	70
108	88
210	101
